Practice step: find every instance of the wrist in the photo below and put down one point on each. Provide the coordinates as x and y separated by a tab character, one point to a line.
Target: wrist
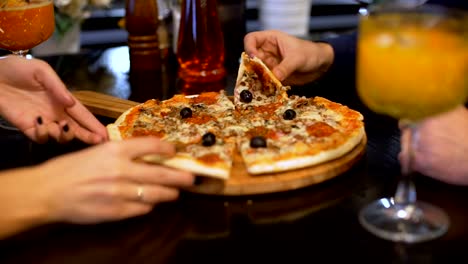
34	201
24	208
327	57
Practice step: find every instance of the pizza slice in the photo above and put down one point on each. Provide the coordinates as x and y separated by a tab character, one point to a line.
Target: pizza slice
197	125
256	84
301	133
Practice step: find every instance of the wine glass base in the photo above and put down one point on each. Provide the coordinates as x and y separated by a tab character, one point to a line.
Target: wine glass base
413	223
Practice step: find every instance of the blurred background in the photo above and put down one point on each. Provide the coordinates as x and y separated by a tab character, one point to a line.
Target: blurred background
327	17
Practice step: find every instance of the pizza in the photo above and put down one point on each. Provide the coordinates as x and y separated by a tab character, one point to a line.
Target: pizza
272	131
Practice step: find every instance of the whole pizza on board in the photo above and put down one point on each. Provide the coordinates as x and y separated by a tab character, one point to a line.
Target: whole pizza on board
273	132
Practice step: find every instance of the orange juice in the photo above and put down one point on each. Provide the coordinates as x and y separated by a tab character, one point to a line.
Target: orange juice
23	26
411	71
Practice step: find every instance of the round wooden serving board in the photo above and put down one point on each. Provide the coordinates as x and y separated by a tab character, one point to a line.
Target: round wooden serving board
242	183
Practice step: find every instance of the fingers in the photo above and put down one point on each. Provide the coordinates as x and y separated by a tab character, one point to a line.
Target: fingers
41	134
84	118
285	68
405	151
112	211
66	134
142	193
160	175
131	209
59	131
42	131
252	41
140	146
120	200
85	135
50	81
154	194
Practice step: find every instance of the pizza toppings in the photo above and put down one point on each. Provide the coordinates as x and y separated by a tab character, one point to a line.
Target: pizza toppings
246	96
320	129
186	112
271	131
289	114
208	139
258	142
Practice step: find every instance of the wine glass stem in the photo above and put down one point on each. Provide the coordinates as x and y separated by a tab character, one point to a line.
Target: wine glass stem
406	191
21	53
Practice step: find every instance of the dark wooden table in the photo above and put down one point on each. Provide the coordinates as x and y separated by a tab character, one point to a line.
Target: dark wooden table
313	224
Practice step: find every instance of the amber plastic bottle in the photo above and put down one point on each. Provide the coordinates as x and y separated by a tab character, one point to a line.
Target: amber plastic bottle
141	22
200	46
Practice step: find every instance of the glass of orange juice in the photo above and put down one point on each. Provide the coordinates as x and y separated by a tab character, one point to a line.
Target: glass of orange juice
25	24
412	63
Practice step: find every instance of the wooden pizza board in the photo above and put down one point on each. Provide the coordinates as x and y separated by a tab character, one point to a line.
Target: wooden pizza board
240	182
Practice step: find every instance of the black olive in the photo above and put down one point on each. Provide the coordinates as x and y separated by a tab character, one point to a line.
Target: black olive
258	142
209	139
246	96
289	114
186	112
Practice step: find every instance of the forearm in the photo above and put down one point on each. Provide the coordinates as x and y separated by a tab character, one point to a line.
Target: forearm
20	208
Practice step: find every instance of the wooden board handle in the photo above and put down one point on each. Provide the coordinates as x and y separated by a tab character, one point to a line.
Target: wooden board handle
103	104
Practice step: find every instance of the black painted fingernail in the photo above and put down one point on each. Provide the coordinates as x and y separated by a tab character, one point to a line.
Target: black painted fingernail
39	120
198	180
65	128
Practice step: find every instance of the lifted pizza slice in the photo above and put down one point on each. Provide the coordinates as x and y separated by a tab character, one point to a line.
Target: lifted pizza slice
256	84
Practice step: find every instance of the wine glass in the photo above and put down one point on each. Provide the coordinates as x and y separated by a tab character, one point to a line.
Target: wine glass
412	63
25	24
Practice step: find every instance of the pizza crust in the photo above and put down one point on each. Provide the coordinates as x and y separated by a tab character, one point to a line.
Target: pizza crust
259	165
113	132
113	129
185	162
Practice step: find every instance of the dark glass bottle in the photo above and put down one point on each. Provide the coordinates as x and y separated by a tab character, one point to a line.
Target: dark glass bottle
141	22
200	47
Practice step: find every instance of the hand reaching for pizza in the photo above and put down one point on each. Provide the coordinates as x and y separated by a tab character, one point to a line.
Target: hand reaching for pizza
100	183
292	60
36	101
442	147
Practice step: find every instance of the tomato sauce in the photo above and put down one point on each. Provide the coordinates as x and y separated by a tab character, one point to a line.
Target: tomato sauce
320	129
210	158
199	119
207	98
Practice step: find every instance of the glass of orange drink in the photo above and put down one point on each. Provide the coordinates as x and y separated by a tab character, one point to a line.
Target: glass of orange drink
25	24
412	63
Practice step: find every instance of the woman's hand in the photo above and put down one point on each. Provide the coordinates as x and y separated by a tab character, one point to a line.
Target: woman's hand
292	60
35	100
104	182
441	150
